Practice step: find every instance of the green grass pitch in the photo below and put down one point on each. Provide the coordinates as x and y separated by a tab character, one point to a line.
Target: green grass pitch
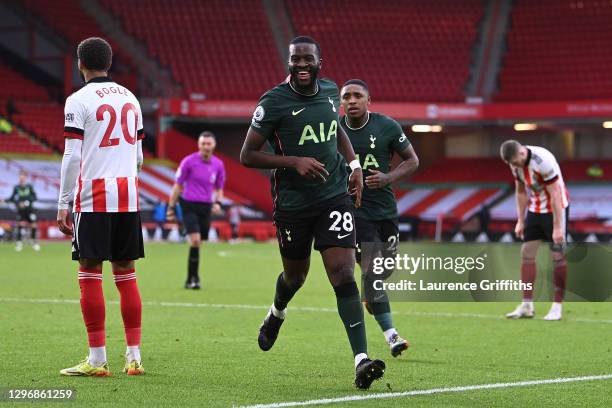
198	351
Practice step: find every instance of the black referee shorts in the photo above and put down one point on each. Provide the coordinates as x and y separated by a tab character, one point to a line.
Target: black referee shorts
196	217
107	236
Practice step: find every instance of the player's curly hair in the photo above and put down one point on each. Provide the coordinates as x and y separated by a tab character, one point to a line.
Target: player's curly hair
95	54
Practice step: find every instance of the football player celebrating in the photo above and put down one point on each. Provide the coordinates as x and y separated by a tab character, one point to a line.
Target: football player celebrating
375	138
311	202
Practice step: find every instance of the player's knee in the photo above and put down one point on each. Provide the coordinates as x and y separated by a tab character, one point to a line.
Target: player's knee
122	266
90	263
558	258
529	251
196	242
296	280
342	274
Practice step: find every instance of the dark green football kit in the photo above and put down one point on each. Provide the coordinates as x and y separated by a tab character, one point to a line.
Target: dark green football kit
24	196
374	144
304	208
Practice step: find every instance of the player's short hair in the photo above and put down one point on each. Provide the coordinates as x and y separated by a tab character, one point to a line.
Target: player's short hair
207	133
509	149
95	54
359	82
23	173
304	39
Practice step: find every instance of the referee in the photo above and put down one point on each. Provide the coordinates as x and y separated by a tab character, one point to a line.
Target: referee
199	175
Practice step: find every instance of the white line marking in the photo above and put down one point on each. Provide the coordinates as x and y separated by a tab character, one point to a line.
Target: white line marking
386	395
296	308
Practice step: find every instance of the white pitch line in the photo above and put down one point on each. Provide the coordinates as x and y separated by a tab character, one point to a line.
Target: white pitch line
296	308
386	395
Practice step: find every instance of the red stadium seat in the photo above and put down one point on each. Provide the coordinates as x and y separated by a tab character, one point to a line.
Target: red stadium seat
558	50
422	54
221	49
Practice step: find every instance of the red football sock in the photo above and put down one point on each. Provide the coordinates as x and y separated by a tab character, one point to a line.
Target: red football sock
131	305
559	279
528	275
92	305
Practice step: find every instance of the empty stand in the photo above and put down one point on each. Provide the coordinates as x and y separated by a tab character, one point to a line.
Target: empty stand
16	142
222	49
405	50
46	120
558	50
17	86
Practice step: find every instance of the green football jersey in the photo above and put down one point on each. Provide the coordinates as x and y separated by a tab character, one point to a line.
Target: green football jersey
306	126
23	196
374	144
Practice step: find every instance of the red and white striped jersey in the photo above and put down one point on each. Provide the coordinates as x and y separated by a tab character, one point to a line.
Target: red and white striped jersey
541	169
107	118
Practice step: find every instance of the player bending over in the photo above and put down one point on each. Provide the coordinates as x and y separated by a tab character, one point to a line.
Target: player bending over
299	118
547	205
375	138
103	153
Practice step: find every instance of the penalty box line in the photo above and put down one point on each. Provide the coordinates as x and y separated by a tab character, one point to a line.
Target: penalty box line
296	308
387	395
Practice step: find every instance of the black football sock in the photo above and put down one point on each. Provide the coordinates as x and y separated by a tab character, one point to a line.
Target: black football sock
33	234
284	292
19	233
193	264
351	313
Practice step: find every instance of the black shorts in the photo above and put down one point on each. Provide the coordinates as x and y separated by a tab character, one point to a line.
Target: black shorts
26	214
385	232
540	226
331	224
107	236
196	217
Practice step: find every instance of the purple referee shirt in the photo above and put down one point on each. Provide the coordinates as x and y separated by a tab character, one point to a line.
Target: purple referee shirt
199	178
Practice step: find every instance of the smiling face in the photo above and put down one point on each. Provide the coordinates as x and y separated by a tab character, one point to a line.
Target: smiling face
355	100
304	65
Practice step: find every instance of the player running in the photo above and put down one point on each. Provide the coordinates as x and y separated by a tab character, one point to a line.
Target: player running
102	157
547	205
375	138
23	197
309	186
199	176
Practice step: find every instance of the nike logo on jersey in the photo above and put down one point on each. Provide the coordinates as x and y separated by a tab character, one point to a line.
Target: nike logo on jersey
295	113
354	324
343	236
